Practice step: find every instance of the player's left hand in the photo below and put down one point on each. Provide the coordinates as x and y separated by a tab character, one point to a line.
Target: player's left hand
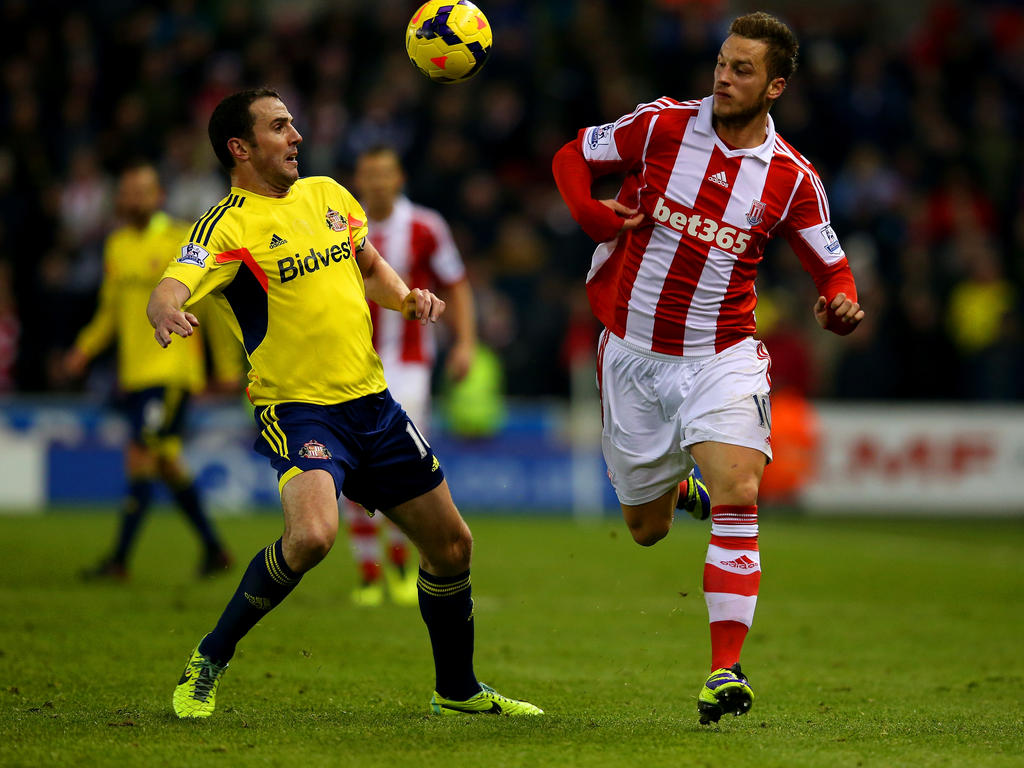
423	306
845	310
631	217
460	360
74	363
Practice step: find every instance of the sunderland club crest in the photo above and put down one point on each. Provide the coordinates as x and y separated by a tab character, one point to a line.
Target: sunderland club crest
315	450
335	221
756	213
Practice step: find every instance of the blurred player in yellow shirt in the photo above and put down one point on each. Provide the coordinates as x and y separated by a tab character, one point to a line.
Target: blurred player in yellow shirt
154	384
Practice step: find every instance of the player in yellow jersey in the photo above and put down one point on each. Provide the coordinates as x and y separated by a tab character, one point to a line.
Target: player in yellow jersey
290	259
154	385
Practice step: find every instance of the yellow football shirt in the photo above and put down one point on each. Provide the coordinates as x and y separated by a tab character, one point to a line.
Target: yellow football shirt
133	261
285	270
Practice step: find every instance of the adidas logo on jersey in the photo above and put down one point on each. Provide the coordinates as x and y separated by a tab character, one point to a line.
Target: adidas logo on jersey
276	240
742	562
719	179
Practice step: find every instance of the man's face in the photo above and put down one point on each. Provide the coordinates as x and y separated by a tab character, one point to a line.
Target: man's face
378	179
275	145
742	87
139	195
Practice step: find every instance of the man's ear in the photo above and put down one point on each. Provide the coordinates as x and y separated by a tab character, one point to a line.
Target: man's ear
239	149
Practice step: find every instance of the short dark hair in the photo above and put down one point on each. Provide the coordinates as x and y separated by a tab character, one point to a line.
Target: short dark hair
137	163
376	150
232	118
782	43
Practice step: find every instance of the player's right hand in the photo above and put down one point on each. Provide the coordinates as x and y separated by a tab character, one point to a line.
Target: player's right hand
423	306
74	363
460	360
174	321
632	216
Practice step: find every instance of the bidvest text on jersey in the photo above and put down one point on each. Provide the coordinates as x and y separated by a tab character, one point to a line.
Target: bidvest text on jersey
291	267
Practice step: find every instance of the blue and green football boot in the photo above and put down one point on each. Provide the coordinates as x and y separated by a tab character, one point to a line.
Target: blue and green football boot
726	692
694	496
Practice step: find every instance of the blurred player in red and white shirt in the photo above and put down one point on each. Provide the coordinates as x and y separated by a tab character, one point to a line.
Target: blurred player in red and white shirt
706	184
417	243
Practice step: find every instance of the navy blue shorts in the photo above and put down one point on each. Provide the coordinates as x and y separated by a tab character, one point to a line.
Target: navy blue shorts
372	449
156	414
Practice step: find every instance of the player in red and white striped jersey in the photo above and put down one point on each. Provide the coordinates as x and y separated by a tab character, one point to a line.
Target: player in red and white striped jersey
706	184
418	245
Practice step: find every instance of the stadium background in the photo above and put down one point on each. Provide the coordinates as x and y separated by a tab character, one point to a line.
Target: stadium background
910	111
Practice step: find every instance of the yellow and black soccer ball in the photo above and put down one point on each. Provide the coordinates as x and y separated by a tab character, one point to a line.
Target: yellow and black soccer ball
448	40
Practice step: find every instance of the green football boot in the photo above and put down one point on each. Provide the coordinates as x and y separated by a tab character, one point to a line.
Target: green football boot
368	595
402	586
694	496
726	691
487	702
196	693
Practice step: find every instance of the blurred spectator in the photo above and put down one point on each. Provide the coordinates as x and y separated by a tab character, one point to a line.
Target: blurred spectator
984	325
10	330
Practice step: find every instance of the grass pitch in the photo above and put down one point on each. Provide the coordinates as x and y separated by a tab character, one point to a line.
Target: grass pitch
875	643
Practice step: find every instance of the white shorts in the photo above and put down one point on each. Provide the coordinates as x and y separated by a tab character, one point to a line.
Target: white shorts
409	384
655	406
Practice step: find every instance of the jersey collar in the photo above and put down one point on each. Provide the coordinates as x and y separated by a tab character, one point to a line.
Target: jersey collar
763	152
289	197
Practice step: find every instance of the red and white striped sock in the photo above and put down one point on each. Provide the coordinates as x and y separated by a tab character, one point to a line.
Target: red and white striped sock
732	575
398	547
363	536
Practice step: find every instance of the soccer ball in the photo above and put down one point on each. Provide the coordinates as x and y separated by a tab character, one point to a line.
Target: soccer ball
448	40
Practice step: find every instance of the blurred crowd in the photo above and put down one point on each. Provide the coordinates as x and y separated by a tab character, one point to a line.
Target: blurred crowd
911	112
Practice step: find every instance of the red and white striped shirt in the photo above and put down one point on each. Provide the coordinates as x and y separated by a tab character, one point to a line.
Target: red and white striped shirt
682	283
418	245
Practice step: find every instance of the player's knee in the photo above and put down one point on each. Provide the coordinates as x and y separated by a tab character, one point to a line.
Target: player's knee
748	491
309	546
460	549
453	554
739	491
739	488
649	523
171	471
647	533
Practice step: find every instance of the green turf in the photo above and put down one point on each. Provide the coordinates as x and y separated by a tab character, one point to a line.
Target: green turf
876	643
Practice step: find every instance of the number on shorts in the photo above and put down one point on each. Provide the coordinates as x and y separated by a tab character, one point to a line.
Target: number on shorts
764	411
421	444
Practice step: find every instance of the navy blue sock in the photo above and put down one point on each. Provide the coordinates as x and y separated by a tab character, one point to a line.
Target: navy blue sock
187	497
446	605
140	494
266	582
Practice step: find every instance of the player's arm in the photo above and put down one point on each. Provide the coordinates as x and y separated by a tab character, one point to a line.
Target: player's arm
385	287
462	317
601	149
165	313
812	238
601	219
100	331
449	272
